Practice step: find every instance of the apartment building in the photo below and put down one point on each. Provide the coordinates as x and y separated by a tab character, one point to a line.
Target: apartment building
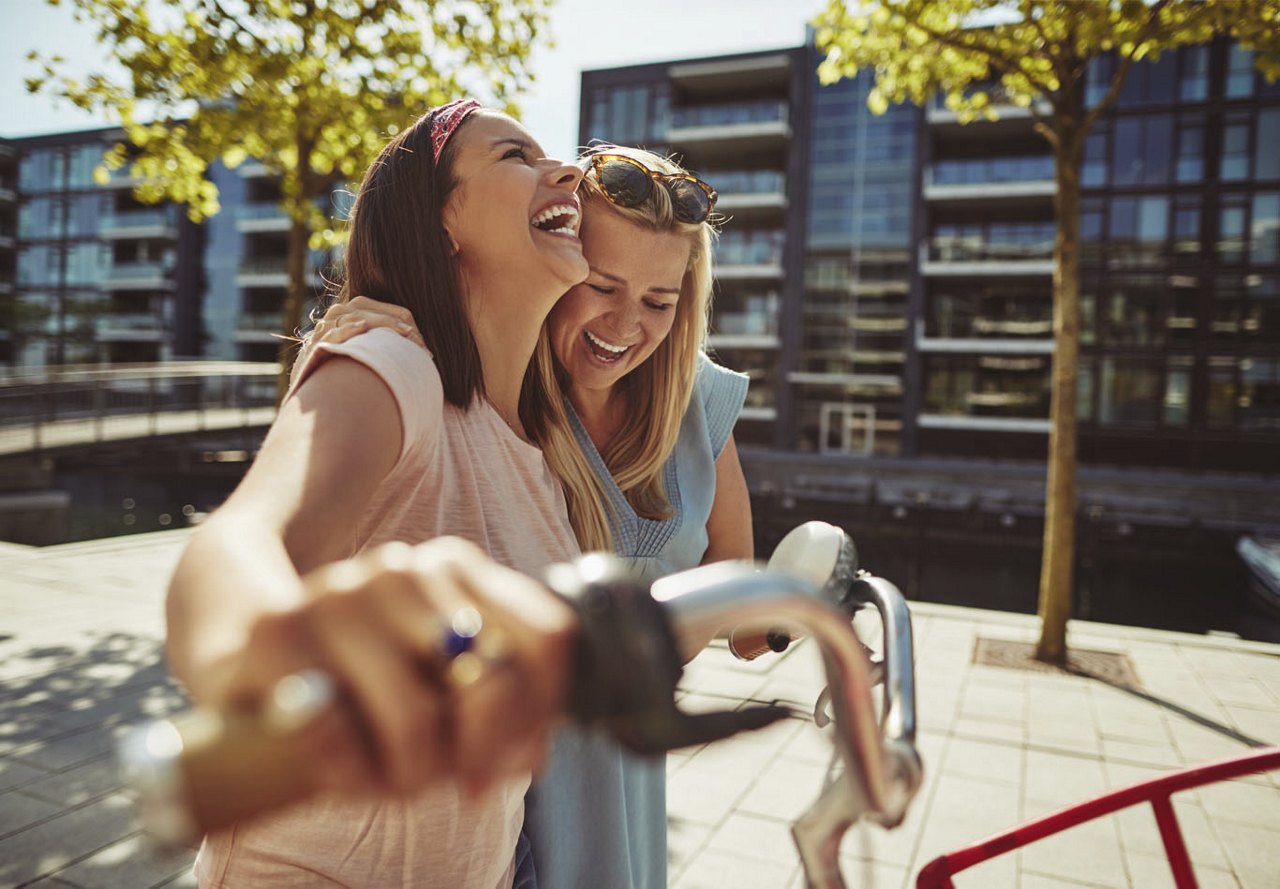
813	264
90	275
1180	281
8	242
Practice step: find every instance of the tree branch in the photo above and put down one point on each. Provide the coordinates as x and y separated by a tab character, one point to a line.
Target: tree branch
1119	77
992	57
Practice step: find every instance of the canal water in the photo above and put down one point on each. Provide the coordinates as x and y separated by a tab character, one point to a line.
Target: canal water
1189	581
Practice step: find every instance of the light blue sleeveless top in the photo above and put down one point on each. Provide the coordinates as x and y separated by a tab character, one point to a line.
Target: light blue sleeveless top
597	815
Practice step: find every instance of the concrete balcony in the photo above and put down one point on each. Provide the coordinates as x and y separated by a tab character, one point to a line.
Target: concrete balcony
979	346
139	276
732	75
263	217
758	414
253	169
999	192
984	424
271	272
743	271
731	138
975	268
159	223
744	341
753	207
258	327
122	178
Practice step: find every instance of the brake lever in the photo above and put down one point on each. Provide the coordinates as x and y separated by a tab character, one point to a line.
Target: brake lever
628	665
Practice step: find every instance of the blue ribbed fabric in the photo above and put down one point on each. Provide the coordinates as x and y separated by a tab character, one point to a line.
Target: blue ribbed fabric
597	816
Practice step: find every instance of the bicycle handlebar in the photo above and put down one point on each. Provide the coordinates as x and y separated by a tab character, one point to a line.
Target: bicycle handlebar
204	770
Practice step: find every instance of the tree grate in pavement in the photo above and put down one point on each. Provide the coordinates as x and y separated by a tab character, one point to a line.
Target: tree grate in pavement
1111	667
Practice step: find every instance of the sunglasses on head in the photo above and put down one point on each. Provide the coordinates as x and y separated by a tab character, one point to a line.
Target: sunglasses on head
628	183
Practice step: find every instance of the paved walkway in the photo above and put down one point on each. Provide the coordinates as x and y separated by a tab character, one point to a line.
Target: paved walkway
80	629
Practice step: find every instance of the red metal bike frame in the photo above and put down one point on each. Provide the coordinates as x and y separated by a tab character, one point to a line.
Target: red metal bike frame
937	874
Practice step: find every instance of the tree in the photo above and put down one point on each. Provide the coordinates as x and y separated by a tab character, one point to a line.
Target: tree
309	88
1035	53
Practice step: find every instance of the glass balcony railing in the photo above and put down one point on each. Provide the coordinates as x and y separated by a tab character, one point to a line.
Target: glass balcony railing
728	114
139	270
990	171
260	321
943	249
152	218
129	322
274	265
749	182
745	324
264	210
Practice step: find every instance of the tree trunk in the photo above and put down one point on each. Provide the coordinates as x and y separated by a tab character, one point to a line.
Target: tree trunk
1060	493
295	298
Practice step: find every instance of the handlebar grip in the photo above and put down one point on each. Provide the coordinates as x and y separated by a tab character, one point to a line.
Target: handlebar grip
747	646
205	770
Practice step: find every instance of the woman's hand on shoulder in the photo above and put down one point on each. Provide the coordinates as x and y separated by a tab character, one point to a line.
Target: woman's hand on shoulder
342	321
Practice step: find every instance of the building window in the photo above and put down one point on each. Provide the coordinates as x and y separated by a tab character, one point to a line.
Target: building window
1193	82
1150	83
1220	408
1186	226
1266	145
1235	152
1093	170
1261	319
1136	312
1142	151
1084	391
1239	73
1190	154
1177	391
1098	79
1264	235
1139	229
1231	230
1259	402
1129	393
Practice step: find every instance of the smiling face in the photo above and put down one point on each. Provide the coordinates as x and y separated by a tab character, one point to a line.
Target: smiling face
610	324
514	215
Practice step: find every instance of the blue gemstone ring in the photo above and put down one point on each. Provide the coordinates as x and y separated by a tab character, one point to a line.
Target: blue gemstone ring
460	633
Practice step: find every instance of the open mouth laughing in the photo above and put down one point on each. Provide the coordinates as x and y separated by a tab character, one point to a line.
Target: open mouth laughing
558	219
605	351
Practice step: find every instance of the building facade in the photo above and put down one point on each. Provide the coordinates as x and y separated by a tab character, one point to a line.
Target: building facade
1180	286
88	275
886	281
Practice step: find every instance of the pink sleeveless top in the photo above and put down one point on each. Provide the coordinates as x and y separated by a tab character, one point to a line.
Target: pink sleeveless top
462	473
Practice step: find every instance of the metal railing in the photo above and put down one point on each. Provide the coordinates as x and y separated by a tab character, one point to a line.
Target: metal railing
70	406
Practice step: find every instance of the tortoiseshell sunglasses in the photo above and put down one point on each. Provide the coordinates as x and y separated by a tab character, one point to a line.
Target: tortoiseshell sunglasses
628	183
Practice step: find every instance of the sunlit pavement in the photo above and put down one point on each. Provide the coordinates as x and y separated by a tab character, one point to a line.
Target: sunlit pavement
80	630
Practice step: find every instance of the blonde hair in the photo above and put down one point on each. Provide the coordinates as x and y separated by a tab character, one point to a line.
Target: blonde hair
658	391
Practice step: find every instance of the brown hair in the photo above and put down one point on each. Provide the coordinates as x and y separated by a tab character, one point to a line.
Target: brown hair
399	252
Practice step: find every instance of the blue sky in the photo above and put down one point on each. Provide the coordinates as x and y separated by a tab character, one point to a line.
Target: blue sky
589	34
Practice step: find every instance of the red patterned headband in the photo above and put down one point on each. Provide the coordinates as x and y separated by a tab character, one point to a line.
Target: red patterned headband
445	119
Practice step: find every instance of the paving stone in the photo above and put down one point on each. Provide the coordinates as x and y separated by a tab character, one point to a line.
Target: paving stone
18	811
133	861
78	785
48	847
715	870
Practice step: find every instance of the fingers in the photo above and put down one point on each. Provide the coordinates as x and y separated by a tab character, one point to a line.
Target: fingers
502	718
342	321
413	707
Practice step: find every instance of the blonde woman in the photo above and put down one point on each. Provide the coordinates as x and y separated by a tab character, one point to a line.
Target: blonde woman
642	442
